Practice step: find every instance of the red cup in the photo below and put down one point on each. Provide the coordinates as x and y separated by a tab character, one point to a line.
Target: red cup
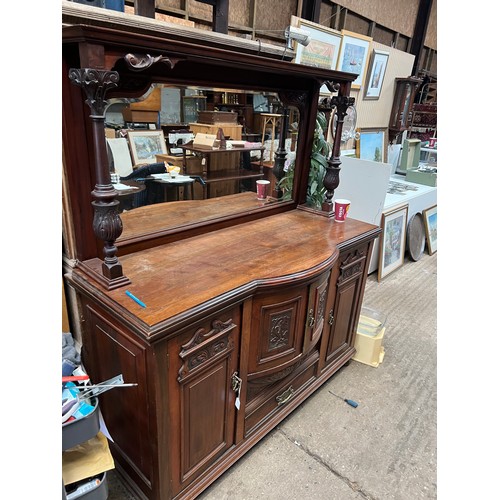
341	209
262	189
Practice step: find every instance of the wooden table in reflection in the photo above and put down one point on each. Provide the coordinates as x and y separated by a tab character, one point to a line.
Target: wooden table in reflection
174	188
131	197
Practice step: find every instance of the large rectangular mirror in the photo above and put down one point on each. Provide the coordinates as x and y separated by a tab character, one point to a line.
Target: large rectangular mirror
184	156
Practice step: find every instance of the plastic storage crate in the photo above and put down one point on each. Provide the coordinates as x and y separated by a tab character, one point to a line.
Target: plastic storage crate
81	430
100	492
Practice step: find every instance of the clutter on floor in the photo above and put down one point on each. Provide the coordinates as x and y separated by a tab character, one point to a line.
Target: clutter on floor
86	456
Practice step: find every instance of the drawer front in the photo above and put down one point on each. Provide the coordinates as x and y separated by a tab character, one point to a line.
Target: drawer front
277	397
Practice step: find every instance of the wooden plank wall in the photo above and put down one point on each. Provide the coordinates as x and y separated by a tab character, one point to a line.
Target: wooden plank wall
397	15
261	17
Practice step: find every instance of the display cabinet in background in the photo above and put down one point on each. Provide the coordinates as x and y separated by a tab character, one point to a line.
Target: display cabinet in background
401	113
191	106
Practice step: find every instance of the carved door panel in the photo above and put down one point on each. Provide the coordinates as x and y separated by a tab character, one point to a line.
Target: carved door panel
277	331
343	322
202	362
316	309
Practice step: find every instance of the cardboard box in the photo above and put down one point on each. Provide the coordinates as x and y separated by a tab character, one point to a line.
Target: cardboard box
369	350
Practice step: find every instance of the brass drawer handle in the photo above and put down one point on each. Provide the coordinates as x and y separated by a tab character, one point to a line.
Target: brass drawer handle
285	397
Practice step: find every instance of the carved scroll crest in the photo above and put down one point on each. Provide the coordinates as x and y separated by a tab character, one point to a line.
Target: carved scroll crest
352	265
140	62
205	345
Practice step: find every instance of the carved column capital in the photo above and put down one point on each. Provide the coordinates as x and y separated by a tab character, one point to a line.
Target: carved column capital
95	83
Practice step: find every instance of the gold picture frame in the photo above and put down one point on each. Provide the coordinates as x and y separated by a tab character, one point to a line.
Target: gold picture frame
430	223
372	143
323	48
353	56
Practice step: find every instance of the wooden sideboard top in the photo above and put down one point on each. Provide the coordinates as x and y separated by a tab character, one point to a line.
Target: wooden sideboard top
212	268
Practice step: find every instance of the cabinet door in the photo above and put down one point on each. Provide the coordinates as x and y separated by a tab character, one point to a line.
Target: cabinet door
277	331
202	362
316	309
343	317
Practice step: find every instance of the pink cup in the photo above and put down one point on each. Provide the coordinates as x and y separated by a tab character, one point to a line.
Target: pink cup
341	209
262	189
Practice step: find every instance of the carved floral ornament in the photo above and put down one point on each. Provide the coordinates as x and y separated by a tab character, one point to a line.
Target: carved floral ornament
140	62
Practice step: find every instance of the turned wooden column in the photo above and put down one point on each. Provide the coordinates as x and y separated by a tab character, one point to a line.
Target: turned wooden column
107	223
280	156
332	177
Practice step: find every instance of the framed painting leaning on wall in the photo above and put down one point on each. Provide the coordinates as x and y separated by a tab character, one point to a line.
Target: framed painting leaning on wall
372	144
430	221
392	241
353	57
375	74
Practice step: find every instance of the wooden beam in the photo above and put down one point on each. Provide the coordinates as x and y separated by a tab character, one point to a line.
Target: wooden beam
220	14
311	10
419	32
145	8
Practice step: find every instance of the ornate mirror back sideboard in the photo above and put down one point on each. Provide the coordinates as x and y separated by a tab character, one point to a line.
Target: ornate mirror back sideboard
243	315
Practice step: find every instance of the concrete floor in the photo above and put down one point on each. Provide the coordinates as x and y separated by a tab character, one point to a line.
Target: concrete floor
383	449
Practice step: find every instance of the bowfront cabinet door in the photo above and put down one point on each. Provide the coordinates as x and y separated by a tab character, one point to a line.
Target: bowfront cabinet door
202	365
316	310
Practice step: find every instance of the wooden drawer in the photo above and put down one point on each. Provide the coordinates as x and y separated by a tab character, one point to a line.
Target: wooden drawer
278	396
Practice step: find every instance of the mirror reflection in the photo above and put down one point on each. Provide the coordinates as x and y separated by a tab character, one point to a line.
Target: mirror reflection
181	156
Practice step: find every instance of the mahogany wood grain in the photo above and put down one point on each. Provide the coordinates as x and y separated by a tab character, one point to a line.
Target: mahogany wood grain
182	275
179	430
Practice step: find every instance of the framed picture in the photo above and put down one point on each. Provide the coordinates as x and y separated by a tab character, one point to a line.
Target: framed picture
430	221
145	145
376	73
353	56
392	241
372	144
324	47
